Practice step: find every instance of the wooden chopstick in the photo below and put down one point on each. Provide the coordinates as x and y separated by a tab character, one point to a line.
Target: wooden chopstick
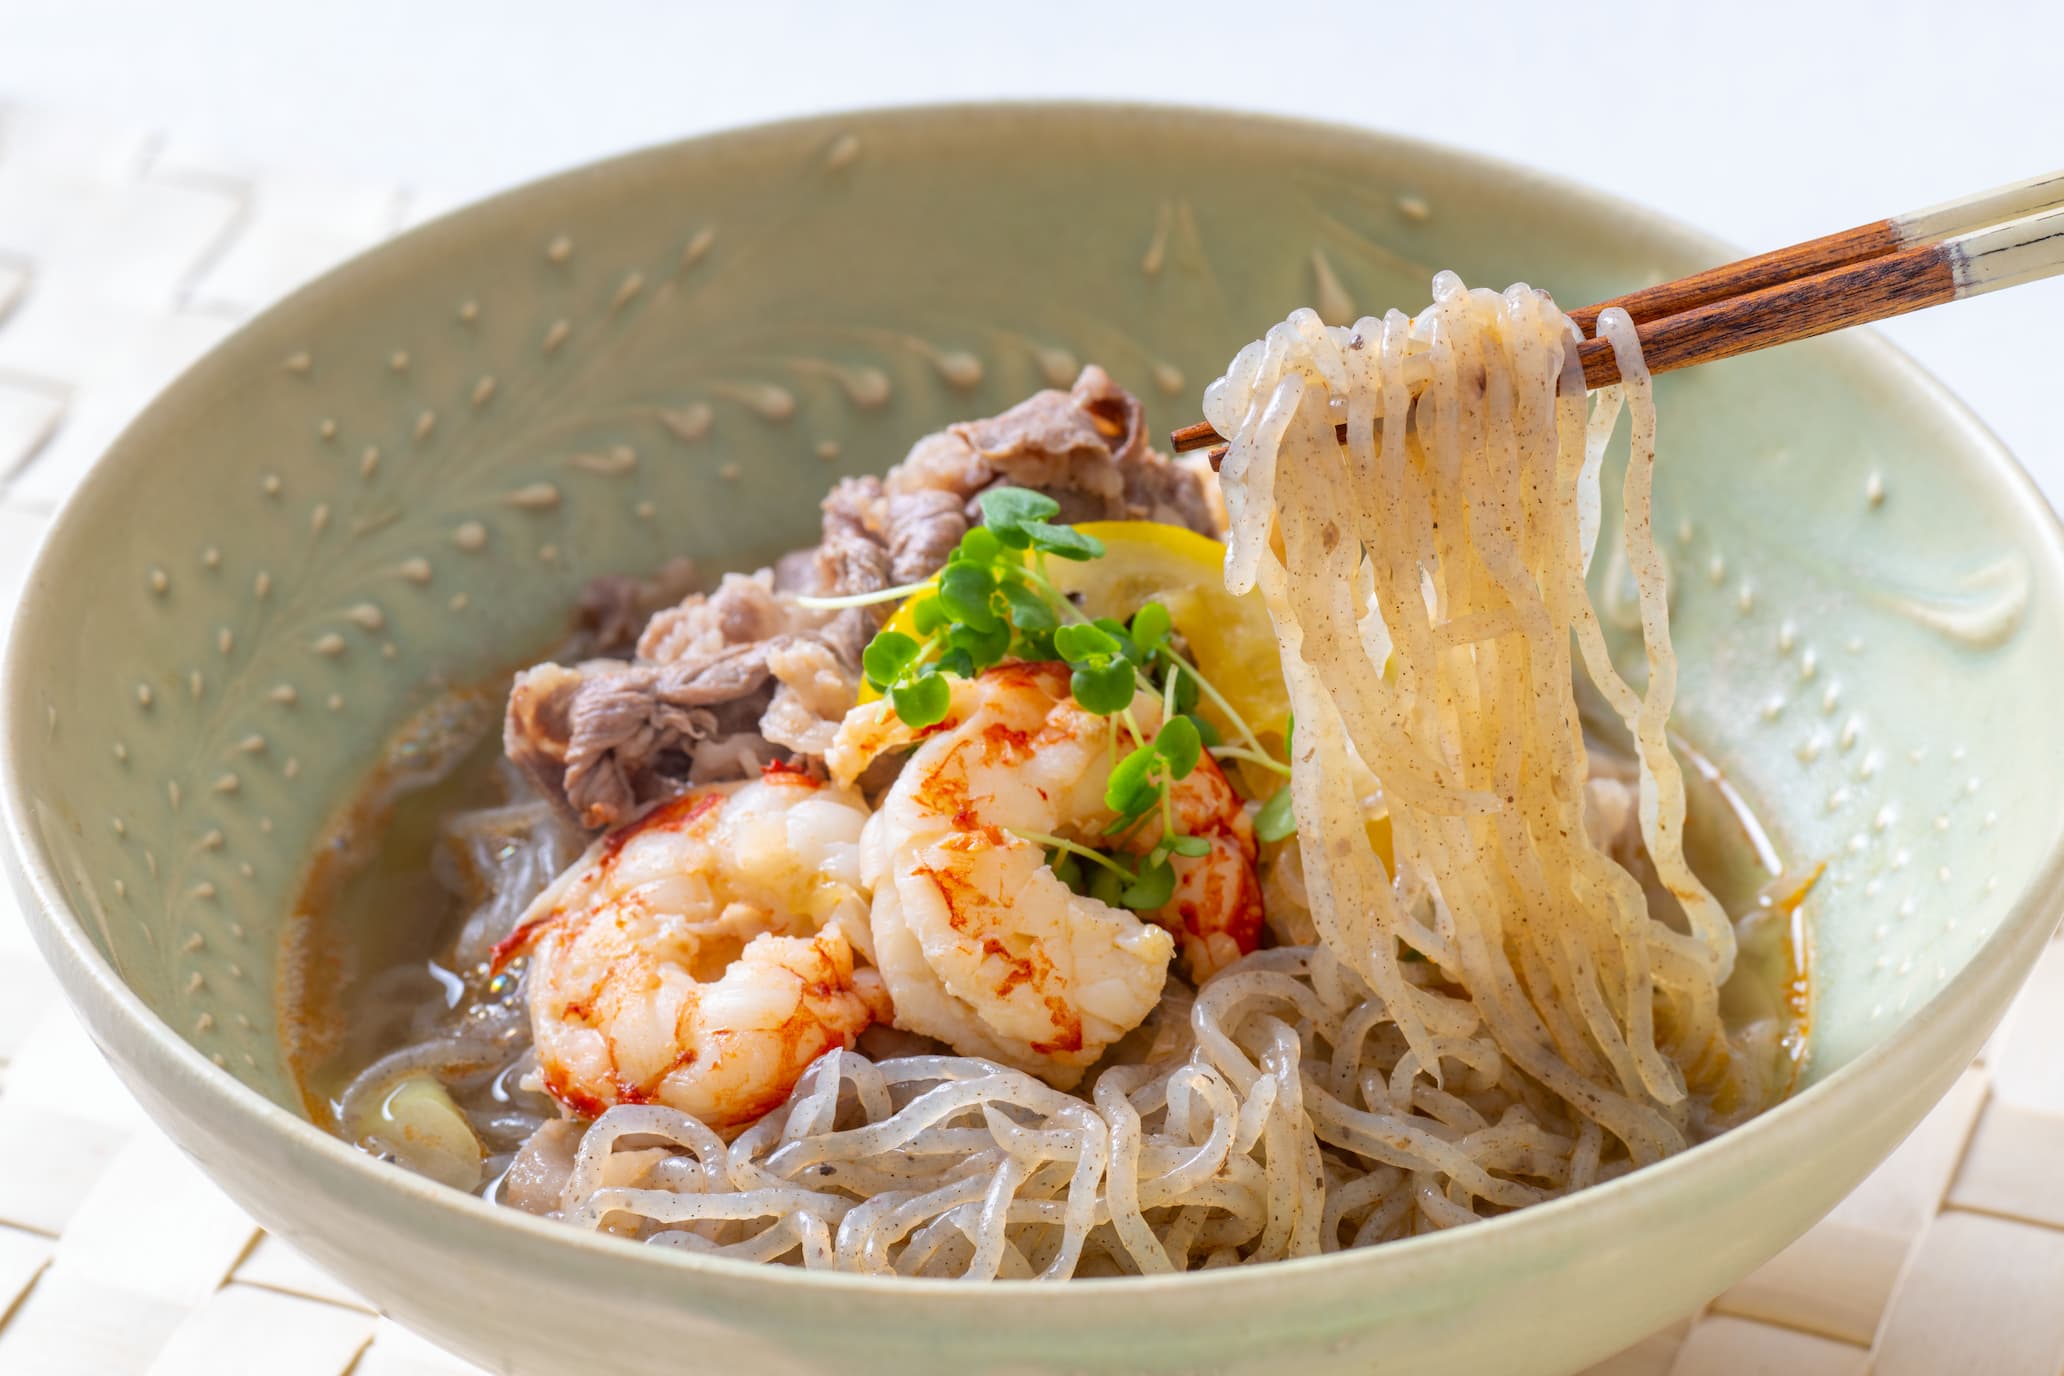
1998	238
1874	240
1853	294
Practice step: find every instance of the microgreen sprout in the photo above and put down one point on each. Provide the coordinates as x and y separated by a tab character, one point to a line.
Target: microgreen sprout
993	601
1275	820
987	604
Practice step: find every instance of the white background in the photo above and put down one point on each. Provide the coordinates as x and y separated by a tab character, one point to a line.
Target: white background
1763	121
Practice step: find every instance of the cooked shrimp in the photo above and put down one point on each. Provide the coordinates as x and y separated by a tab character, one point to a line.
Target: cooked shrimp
981	944
699	956
1217	908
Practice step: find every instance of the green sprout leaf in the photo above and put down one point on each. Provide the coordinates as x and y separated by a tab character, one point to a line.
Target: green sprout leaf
923	701
1206	732
983	648
1126	821
1068	869
887	656
1179	744
1150	627
1008	510
1102	689
1191	846
964	590
1276	819
1107	887
1186	699
1029	612
1131	789
1120	637
1065	542
929	615
979	546
1081	644
1154	887
958	662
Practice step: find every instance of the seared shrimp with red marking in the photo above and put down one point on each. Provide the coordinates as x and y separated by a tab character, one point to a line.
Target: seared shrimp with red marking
980	943
1217	910
699	956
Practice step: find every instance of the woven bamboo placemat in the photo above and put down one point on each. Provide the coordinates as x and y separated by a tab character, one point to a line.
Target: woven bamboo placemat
124	255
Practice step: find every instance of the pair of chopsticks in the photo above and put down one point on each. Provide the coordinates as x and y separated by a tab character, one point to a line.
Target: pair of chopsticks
1999	238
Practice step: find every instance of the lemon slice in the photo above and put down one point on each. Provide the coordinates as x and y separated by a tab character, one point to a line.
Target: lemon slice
1231	641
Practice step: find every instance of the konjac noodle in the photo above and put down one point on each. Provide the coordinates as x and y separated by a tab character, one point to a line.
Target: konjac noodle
1035	931
1461	562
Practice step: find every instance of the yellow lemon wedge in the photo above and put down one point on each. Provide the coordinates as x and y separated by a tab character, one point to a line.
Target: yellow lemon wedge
1378	829
1230	639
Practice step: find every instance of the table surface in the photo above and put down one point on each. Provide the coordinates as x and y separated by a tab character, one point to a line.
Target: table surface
167	170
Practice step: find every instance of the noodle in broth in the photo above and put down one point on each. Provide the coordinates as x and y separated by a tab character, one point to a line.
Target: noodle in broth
1497	1017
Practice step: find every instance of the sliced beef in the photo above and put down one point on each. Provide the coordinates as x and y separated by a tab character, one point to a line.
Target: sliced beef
743	665
609	736
924	527
722	682
744	609
1085	447
614	607
854	556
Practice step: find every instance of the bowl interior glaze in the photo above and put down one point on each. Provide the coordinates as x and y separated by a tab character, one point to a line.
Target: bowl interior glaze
398	479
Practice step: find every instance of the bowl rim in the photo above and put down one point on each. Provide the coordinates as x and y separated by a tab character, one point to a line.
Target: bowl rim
88	977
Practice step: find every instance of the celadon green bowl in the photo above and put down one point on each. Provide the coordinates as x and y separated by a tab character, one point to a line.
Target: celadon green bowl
398	479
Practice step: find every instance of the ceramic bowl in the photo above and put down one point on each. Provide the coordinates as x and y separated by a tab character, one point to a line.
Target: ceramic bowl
398	478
